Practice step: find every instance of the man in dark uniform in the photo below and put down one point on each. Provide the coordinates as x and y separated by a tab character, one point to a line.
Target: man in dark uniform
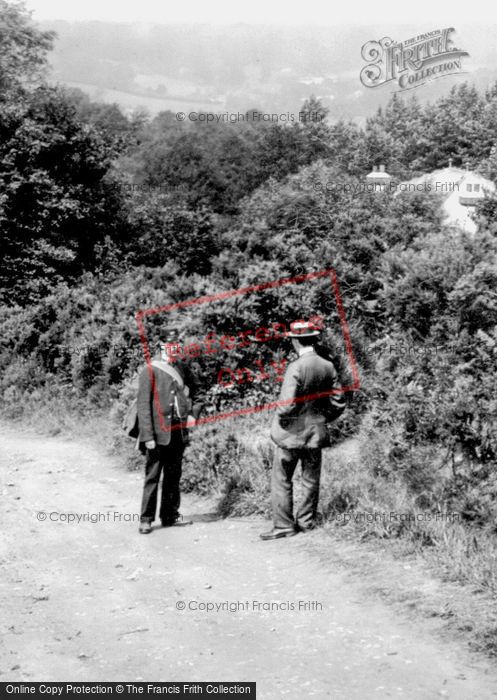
300	433
164	389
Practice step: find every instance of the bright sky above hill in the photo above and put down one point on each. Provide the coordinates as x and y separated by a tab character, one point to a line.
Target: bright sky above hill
292	12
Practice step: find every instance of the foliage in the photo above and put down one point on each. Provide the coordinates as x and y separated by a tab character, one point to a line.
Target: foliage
165	231
57	202
23	51
102	215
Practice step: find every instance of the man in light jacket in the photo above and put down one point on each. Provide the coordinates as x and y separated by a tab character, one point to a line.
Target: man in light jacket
309	395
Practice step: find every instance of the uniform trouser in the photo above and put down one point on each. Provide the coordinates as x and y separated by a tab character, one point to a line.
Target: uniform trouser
166	459
284	465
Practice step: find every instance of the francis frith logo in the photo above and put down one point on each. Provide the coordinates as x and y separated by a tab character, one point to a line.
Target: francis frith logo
413	62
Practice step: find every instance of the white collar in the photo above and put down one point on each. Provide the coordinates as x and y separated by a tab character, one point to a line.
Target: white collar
304	351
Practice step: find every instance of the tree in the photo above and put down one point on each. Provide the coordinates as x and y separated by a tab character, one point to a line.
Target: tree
23	51
453	128
315	131
58	201
170	232
345	140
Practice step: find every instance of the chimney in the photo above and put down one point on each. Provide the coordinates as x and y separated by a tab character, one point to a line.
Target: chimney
382	168
375	168
450	162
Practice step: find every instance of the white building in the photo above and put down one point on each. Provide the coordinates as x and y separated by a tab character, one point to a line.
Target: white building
379	178
461	191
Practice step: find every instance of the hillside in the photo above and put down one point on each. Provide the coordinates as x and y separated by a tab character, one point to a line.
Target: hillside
242	66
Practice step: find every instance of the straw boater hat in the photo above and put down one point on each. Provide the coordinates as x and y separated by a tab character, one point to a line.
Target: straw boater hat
303	329
298	329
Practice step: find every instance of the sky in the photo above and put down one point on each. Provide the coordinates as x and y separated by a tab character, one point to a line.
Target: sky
282	12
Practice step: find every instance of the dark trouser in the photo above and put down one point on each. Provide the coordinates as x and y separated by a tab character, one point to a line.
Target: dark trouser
165	459
284	465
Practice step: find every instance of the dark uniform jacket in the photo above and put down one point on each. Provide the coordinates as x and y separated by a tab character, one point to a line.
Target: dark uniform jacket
174	403
303	424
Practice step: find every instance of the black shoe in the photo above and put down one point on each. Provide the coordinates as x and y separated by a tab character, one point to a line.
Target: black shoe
278	532
307	528
178	521
145	528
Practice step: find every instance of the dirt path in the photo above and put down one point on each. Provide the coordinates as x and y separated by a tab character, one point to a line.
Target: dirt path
98	602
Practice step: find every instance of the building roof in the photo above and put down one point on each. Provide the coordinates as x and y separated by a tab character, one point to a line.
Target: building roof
378	174
451	175
459	200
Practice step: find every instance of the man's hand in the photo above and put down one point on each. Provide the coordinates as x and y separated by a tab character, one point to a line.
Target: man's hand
190	422
150	445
